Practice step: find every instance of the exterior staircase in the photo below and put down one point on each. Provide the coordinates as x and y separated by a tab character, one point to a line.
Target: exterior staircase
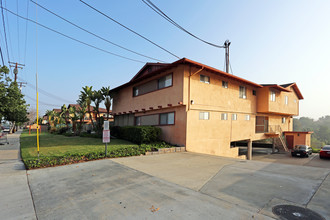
275	131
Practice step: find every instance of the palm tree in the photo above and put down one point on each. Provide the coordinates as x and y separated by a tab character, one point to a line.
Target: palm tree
97	98
50	114
107	99
73	116
64	114
81	110
85	95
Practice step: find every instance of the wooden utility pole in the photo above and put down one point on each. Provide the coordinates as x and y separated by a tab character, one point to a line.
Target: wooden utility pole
226	46
16	65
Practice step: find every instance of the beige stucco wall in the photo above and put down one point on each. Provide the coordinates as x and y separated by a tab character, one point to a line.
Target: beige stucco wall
174	134
124	101
279	107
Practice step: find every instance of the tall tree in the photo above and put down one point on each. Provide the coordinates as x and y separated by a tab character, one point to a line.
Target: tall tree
85	95
97	98
64	114
81	111
107	99
15	107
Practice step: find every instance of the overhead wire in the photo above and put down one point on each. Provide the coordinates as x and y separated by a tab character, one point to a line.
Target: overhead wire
162	14
127	28
72	38
44	92
95	35
4	30
26	28
18	47
9	36
41	102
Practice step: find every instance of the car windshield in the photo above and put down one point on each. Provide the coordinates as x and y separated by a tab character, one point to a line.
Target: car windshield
326	148
302	147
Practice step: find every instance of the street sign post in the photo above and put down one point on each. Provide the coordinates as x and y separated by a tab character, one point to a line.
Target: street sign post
106	136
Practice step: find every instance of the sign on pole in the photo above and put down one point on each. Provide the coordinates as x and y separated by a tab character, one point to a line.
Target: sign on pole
106	136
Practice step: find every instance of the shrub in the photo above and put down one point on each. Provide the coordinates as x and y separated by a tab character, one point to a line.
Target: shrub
52	130
95	135
316	150
62	130
139	134
75	158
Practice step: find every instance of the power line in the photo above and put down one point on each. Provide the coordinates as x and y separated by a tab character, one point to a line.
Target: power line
18	47
9	37
162	14
129	29
95	35
74	39
26	29
3	63
4	29
44	103
46	93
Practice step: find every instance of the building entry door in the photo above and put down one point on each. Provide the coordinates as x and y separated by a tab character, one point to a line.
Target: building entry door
289	141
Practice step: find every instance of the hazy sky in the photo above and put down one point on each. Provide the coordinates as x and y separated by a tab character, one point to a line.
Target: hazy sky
272	42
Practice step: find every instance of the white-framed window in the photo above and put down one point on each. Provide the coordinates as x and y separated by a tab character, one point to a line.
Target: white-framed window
166	118
283	120
286	101
204	79
272	96
204	115
234	117
247	117
295	100
242	92
224	116
225	84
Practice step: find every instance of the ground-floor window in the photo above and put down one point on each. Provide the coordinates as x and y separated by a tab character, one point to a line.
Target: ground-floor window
204	115
156	119
247	117
224	116
283	120
234	117
166	118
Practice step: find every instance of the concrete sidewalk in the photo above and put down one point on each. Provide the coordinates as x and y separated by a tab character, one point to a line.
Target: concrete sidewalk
15	197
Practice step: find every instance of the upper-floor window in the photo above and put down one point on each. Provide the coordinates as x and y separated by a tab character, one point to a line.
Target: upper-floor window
166	118
224	116
283	120
272	96
165	81
254	92
224	84
234	117
204	79
242	92
204	115
247	117
286	101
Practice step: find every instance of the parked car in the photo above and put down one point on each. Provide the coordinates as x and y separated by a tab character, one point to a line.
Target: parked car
325	151
301	151
6	128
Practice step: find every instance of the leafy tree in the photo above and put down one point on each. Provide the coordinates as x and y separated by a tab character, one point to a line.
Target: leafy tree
15	105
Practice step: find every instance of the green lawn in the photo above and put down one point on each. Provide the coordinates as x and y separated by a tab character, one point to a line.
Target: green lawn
59	145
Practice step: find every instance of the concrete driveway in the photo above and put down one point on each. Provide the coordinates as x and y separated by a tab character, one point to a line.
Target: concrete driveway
108	190
176	186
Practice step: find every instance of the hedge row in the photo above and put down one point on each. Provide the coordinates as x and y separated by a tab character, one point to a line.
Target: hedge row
137	134
75	158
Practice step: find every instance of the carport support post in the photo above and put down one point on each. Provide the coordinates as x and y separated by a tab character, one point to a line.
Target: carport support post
249	150
273	147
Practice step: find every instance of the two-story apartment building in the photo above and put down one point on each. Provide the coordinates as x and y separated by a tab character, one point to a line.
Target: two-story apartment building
203	108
